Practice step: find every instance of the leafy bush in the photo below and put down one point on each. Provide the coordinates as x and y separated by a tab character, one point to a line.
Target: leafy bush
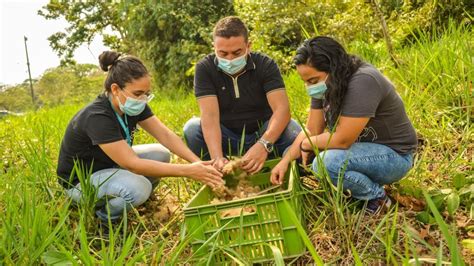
69	84
16	98
62	85
173	35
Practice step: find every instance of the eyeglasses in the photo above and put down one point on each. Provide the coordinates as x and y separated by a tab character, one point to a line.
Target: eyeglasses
145	97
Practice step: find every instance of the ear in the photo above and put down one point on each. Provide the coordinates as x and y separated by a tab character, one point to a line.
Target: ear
114	88
249	45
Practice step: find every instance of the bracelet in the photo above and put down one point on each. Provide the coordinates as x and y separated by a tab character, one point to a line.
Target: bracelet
303	149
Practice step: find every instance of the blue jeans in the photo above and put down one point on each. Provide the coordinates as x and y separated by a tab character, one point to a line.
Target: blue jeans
365	167
231	141
123	189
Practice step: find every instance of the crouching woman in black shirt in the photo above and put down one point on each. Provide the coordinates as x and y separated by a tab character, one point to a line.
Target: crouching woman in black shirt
100	138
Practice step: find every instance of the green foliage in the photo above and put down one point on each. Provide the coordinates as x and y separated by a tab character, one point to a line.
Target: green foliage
450	237
38	225
173	35
170	35
16	98
460	195
87	19
278	34
62	85
69	84
405	18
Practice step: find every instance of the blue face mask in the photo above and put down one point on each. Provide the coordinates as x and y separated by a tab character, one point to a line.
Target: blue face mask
317	90
132	107
232	66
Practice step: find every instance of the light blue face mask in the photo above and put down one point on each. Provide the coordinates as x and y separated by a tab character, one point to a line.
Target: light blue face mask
317	90
232	66
132	107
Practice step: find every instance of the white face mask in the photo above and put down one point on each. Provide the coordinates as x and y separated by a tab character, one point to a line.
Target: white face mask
317	90
132	106
232	66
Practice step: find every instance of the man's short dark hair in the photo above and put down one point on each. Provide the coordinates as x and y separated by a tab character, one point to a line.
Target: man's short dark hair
230	27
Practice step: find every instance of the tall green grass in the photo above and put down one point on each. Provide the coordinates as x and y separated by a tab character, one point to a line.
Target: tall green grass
39	224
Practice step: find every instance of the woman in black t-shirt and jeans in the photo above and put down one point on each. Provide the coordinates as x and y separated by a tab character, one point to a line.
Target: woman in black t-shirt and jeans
100	138
370	140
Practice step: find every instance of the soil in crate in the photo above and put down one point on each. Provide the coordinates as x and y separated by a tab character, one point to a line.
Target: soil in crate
243	189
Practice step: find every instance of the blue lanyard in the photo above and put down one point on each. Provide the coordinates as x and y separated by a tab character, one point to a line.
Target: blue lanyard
125	128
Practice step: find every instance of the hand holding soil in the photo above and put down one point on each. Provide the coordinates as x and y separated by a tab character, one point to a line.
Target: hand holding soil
205	173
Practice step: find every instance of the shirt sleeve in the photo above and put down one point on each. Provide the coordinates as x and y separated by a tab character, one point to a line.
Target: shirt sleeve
272	77
203	85
102	129
363	97
147	113
316	103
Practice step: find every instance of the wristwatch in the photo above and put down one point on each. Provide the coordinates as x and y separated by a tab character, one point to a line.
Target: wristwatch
266	144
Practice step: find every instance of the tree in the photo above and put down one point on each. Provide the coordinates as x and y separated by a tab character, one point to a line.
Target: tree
173	35
69	84
87	19
169	35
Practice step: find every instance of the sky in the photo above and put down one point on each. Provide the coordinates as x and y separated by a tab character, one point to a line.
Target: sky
19	18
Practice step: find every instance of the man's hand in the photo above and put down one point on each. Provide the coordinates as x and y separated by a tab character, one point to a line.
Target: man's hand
219	163
254	158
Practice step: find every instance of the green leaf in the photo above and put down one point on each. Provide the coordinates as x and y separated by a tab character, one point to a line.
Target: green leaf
425	217
469	244
466	190
55	258
439	201
277	255
356	256
459	180
446	191
471	212
317	259
452	202
450	238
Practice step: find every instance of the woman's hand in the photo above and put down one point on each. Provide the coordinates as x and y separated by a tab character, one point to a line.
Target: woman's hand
205	173
278	172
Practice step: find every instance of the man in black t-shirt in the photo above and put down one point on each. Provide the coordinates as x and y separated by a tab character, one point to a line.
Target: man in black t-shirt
239	92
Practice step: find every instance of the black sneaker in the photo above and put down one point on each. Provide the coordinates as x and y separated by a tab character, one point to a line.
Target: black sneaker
378	205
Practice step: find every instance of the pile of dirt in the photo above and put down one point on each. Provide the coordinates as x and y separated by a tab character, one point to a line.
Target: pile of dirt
161	208
243	189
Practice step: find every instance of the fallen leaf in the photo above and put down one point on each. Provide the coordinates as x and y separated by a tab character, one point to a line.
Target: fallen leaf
409	202
424	232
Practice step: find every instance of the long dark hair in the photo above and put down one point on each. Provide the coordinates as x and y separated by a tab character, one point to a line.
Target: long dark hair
121	69
327	55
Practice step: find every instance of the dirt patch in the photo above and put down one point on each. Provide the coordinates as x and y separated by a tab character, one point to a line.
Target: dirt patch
241	188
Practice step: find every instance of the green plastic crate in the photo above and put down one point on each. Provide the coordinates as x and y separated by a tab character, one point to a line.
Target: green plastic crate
247	233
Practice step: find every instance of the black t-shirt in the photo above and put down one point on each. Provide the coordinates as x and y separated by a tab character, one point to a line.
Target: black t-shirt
371	94
242	99
95	124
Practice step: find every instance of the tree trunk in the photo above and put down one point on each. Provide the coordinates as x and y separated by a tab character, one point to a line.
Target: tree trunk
388	40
